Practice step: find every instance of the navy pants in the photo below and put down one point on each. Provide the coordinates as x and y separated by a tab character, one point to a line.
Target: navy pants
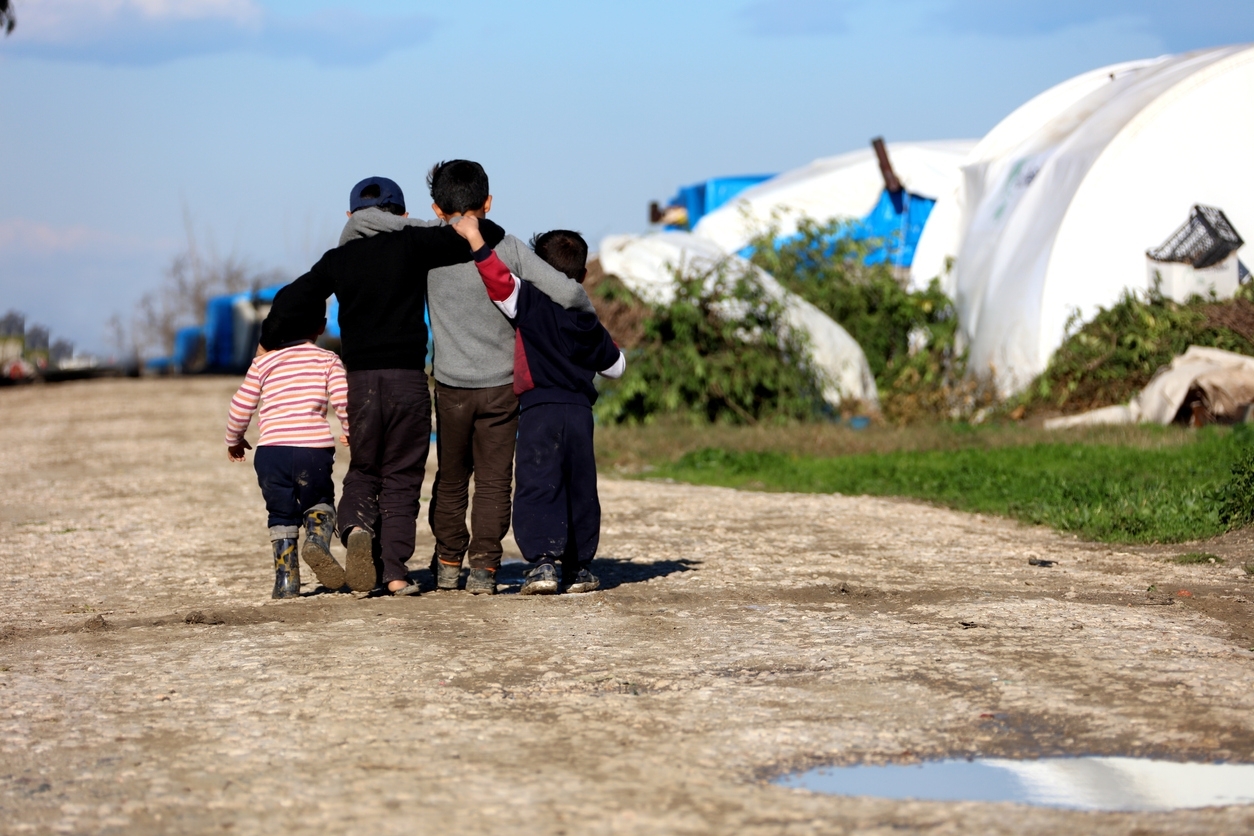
293	480
556	508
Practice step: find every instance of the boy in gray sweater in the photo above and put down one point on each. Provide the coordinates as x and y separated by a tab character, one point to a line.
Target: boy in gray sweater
473	363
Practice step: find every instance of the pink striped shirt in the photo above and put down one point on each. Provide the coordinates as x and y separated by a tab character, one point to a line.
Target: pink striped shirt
292	386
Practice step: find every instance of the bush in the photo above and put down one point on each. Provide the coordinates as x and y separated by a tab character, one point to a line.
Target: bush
908	336
720	352
1109	359
1236	498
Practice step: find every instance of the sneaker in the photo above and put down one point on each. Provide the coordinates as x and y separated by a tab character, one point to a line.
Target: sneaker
542	580
481	582
585	581
447	575
359	568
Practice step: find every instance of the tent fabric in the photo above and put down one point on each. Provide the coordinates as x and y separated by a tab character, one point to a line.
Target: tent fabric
844	186
1060	202
1224	380
647	265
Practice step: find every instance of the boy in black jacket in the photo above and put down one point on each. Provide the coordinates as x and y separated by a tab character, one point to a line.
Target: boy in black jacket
557	353
381	284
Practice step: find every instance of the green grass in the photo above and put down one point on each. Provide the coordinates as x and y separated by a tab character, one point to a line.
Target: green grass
1194	558
1107	492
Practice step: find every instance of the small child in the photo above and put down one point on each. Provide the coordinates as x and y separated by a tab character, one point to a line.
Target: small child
293	384
557	353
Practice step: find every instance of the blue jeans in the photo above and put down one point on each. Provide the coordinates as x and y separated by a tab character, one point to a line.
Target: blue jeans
293	480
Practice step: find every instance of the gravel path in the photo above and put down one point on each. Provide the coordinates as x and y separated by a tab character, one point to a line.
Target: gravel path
149	685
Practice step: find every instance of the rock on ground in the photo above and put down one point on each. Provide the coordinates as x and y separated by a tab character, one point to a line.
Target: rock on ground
149	685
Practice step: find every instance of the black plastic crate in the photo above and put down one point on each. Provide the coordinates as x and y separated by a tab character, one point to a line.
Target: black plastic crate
1206	239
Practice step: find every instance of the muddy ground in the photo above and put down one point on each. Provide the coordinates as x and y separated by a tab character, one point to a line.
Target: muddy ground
149	685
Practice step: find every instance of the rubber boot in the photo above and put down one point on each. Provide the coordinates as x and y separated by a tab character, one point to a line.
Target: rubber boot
319	527
286	569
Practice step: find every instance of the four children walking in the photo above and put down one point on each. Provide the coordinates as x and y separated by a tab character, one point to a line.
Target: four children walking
386	267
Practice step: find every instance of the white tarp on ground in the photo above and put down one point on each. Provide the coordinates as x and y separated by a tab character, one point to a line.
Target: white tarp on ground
1224	380
1061	200
647	265
845	186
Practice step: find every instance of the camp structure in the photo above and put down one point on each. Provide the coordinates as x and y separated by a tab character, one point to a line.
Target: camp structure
648	264
227	340
695	201
1061	201
849	186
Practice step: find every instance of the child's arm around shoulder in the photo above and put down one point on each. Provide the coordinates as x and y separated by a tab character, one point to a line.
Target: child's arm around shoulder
545	278
503	286
240	413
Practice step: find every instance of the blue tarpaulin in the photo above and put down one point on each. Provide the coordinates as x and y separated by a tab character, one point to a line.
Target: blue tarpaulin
893	228
187	345
702	198
896	223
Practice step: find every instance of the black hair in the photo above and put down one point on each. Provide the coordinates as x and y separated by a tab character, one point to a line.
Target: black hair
301	324
565	250
458	186
372	191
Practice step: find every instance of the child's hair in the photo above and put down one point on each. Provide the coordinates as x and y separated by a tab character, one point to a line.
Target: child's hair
302	326
372	192
458	186
565	250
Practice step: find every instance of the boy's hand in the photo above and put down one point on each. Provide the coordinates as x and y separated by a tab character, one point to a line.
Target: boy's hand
236	451
467	226
344	440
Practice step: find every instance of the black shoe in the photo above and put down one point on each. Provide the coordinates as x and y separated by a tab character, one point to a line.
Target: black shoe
359	569
481	582
286	569
319	527
541	580
585	581
447	575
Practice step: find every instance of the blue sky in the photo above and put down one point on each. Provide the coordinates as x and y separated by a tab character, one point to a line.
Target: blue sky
123	120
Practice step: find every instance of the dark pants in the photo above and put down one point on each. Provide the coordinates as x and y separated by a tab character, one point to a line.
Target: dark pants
556	510
476	429
389	421
293	480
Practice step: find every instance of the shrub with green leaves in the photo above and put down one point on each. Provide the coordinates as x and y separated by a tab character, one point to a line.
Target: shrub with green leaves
1236	497
721	351
908	335
1110	358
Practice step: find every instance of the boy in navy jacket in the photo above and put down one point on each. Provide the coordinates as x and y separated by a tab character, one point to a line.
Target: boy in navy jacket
557	353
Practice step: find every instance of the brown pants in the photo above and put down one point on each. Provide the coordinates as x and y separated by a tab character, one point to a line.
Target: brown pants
475	433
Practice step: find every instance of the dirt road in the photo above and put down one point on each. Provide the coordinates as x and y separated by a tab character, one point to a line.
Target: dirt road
149	685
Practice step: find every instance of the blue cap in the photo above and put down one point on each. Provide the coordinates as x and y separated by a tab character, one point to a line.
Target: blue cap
389	192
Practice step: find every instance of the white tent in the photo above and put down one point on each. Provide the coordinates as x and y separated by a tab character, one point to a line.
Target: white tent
1061	200
647	265
845	186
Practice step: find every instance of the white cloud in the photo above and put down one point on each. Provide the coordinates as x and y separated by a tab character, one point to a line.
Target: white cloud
145	32
19	235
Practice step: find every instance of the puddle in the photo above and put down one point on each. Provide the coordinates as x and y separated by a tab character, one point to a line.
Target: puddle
1088	783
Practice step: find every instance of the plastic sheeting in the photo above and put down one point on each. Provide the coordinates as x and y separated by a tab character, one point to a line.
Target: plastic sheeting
845	186
647	265
1061	200
1224	380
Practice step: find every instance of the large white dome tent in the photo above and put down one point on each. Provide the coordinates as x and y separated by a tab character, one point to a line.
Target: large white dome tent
938	245
1061	201
844	186
647	265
